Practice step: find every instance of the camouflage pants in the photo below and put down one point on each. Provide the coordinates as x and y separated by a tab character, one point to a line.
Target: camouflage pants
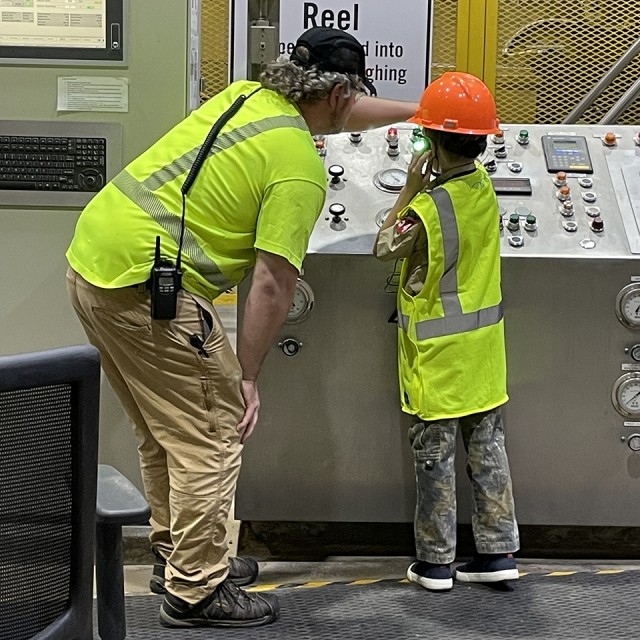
493	518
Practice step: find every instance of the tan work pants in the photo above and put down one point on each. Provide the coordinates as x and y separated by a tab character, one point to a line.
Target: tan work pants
185	403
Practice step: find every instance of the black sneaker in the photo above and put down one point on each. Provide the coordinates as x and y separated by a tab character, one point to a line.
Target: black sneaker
242	571
227	606
493	567
435	577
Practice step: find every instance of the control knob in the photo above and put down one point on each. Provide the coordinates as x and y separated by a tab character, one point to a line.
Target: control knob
514	222
634	352
500	152
335	171
633	442
290	346
567	208
515	167
491	166
337	211
498	138
560	179
597	224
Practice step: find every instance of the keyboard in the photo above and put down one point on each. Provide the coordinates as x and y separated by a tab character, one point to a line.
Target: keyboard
47	163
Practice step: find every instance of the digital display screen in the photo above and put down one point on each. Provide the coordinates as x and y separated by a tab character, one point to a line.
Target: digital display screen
564	144
61	29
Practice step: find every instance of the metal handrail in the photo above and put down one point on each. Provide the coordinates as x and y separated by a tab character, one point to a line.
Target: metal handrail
603	84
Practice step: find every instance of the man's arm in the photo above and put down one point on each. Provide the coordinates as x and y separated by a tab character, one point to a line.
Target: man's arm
266	307
369	113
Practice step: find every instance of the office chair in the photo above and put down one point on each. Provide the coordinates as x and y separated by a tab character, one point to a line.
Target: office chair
49	405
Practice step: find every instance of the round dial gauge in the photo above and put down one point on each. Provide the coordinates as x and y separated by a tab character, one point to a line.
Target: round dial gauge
391	179
626	395
302	303
628	306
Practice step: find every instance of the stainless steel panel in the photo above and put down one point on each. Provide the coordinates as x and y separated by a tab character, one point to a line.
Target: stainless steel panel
331	444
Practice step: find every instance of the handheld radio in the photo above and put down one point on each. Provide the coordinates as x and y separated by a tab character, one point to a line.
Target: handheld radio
165	282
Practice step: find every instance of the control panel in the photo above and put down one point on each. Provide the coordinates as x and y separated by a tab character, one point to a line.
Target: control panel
563	190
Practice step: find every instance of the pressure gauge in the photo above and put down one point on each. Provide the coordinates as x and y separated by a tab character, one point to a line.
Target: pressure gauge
302	303
390	179
626	395
628	305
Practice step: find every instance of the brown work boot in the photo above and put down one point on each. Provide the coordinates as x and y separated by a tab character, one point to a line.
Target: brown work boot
227	606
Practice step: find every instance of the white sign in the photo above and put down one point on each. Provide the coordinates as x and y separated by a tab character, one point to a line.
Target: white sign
396	37
93	93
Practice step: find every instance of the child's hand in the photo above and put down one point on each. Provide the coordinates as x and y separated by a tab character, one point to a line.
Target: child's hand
418	176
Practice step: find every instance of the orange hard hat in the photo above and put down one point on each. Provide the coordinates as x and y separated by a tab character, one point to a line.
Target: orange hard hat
458	102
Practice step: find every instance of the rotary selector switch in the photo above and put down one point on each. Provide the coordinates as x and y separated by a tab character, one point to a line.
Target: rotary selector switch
491	166
500	152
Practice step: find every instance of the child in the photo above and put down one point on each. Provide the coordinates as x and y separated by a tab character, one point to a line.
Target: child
451	351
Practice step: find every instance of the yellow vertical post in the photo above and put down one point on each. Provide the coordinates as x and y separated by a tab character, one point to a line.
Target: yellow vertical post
490	44
475	37
462	35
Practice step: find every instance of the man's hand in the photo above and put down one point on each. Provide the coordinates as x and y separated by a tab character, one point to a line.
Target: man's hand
252	406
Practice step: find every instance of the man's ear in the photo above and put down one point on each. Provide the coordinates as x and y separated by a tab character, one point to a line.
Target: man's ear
336	95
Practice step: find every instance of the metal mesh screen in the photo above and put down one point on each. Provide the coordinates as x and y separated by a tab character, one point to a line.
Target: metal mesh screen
443	50
214	42
551	54
35	508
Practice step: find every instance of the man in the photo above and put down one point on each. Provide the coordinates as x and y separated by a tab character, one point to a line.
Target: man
253	205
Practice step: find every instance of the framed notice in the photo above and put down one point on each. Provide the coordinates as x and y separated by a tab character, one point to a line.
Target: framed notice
396	36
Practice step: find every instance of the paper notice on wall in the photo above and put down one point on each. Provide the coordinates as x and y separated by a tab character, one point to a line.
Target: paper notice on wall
396	37
89	93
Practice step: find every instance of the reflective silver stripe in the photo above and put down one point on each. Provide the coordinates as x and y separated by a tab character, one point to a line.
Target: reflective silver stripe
451	245
458	324
170	222
403	321
182	165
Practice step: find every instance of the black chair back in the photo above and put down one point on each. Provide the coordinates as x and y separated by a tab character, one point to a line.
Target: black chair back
49	404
